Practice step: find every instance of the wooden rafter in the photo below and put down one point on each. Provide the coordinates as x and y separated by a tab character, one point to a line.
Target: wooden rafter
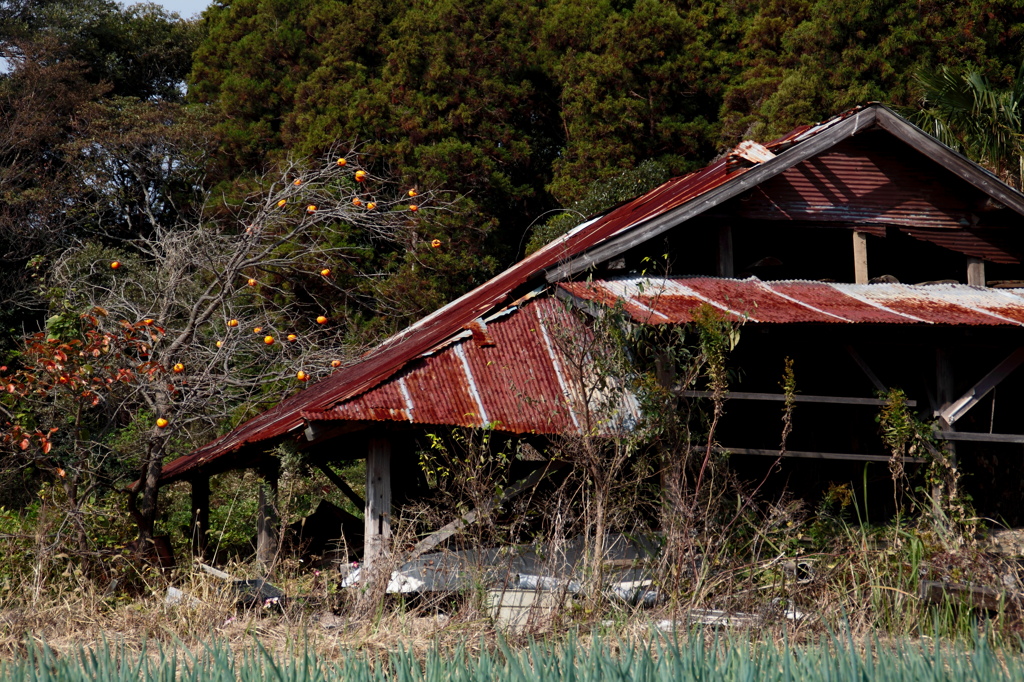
959	407
799	398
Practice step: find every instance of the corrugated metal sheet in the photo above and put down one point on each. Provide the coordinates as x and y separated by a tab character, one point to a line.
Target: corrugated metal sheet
520	384
861	181
673	300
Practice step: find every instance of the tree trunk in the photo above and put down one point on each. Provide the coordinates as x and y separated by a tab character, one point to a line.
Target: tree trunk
145	514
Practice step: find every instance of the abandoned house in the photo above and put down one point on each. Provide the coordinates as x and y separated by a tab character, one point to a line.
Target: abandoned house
863	249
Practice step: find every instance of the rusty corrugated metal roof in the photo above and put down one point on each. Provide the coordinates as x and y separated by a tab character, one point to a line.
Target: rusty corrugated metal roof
518	383
652	300
440	327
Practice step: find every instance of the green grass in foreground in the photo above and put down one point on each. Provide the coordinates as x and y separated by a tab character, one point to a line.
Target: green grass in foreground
662	659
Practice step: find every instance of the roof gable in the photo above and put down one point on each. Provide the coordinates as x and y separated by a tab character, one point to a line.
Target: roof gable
685	198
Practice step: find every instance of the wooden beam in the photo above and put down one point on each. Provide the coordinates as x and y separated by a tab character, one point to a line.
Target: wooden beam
344	487
200	499
981	437
377	516
316	433
958	408
726	262
645	230
866	369
440	535
799	397
975	272
801	454
860	257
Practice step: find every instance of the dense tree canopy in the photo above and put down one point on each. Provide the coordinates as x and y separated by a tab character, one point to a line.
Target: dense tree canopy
520	106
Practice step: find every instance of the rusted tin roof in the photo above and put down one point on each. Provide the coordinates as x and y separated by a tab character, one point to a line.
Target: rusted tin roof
619	229
518	382
672	301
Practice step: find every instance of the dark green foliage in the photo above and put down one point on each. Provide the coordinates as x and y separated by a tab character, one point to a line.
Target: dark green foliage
600	197
140	51
637	83
968	112
801	61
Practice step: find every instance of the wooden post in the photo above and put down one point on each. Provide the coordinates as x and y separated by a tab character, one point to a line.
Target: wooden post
266	542
726	266
377	518
200	514
860	257
975	272
944	395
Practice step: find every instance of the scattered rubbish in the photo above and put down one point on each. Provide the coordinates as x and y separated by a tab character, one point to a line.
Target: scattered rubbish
255	592
517	610
939	592
789	610
258	593
524	581
802	570
635	593
176	597
398	582
734	619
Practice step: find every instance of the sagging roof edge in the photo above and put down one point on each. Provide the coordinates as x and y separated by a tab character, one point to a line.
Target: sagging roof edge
577	251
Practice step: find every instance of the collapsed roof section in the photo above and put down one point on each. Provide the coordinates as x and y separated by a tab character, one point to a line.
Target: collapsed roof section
436	339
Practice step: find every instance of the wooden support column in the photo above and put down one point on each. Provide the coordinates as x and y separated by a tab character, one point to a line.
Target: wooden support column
944	395
266	538
726	266
377	518
943	383
200	514
860	257
975	272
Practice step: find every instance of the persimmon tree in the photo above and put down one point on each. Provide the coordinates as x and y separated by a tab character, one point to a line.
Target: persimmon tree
223	313
63	400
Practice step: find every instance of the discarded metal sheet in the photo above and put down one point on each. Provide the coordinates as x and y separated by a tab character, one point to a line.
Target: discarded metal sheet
544	568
